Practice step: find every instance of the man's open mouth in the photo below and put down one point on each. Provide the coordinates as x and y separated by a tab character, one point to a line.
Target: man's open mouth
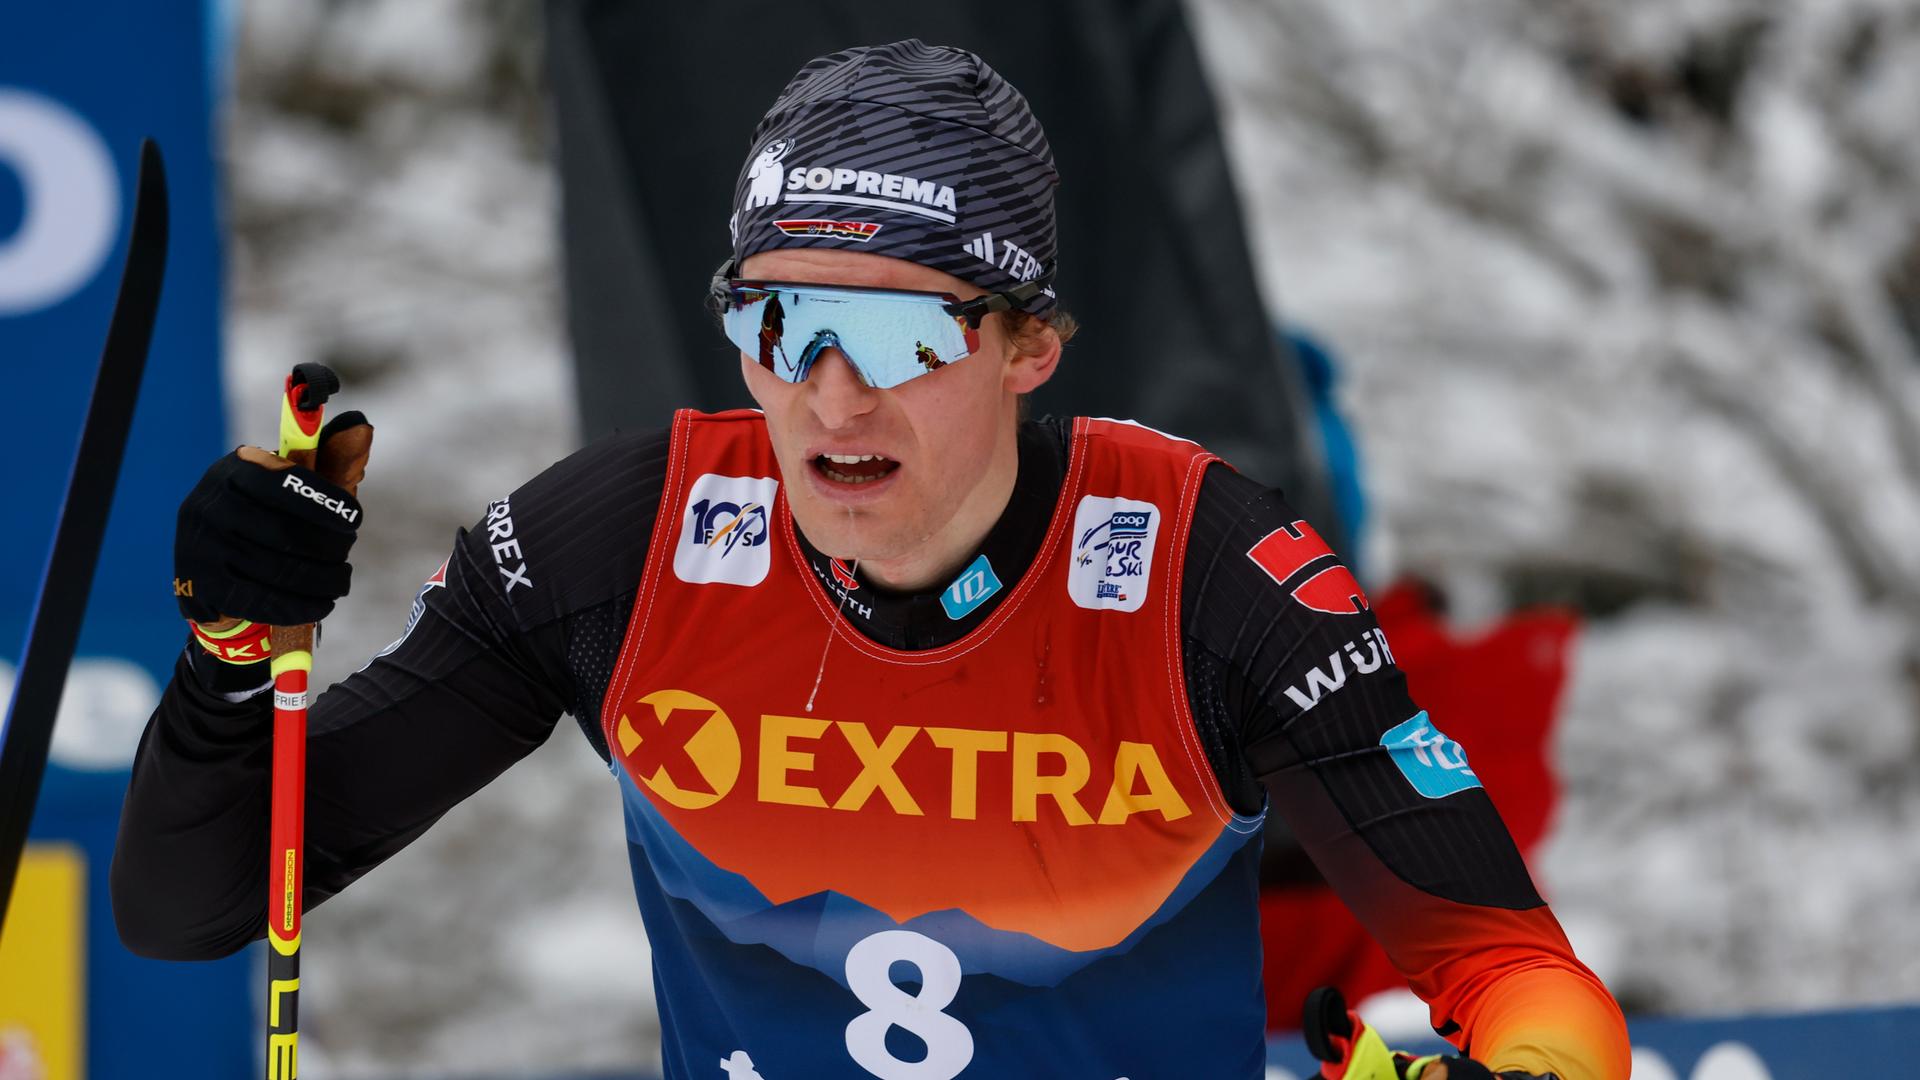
854	468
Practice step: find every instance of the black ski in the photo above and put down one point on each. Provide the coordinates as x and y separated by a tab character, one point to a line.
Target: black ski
55	628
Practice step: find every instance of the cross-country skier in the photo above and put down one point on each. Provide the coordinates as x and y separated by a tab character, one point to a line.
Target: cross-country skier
944	735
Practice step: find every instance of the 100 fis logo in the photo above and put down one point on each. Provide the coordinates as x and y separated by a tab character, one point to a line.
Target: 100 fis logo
727	524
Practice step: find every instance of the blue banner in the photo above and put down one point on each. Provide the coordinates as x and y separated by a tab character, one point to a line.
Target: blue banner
80	84
1859	1042
1864	1042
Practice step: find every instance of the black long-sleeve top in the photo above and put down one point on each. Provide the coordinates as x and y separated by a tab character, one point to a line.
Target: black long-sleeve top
488	665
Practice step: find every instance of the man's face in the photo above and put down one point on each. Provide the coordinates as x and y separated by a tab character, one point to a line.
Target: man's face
943	439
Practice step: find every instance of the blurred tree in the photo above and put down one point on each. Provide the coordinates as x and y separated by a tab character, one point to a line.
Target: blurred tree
1629	295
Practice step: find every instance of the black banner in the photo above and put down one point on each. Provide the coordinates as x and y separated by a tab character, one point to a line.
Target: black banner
656	105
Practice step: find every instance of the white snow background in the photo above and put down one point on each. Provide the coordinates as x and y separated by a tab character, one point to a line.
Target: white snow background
1628	296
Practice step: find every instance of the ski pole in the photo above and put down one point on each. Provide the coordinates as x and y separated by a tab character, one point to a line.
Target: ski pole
1349	1046
308	388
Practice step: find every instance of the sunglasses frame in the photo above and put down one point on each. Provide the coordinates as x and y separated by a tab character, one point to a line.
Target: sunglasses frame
973	311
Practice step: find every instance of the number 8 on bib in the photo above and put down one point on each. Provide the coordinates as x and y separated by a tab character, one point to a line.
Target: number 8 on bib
869	967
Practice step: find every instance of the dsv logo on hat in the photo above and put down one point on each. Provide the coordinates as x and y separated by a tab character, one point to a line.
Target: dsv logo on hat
726	525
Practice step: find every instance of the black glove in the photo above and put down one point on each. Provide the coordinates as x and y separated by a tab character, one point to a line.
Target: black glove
265	544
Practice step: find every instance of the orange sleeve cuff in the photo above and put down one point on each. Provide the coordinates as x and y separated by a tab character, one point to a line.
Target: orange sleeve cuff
1520	997
1550	1020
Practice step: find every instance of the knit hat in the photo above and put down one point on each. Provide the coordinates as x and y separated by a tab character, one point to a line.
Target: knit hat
920	152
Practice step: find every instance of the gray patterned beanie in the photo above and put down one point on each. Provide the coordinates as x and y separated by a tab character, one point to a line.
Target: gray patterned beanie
920	152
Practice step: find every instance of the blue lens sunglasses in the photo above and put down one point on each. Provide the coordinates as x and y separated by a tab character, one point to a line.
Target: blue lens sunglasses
888	335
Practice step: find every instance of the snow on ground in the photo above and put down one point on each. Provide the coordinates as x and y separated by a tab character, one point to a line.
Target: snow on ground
1625	294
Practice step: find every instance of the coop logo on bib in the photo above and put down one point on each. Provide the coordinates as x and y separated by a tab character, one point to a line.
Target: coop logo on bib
724	531
1113	546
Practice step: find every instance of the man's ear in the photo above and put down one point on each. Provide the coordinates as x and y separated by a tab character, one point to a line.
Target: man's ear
1035	355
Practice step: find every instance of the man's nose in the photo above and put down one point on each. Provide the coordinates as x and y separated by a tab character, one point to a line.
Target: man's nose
835	392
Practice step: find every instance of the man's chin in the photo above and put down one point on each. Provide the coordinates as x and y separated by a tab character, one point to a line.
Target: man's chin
841	532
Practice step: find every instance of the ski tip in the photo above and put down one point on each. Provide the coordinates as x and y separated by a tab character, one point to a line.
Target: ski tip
149	253
153	169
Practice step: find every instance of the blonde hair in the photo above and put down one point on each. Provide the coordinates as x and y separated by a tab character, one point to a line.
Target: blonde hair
1022	325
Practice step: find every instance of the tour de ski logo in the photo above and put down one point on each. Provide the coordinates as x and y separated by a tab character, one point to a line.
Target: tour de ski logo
724	531
1299	561
1112	556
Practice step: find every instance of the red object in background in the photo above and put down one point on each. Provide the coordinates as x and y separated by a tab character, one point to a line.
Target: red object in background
1497	694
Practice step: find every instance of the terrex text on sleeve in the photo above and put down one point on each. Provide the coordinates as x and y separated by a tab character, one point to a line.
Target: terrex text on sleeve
507	556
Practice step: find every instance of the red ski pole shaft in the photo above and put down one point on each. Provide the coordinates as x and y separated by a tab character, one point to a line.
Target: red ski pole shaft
292	649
